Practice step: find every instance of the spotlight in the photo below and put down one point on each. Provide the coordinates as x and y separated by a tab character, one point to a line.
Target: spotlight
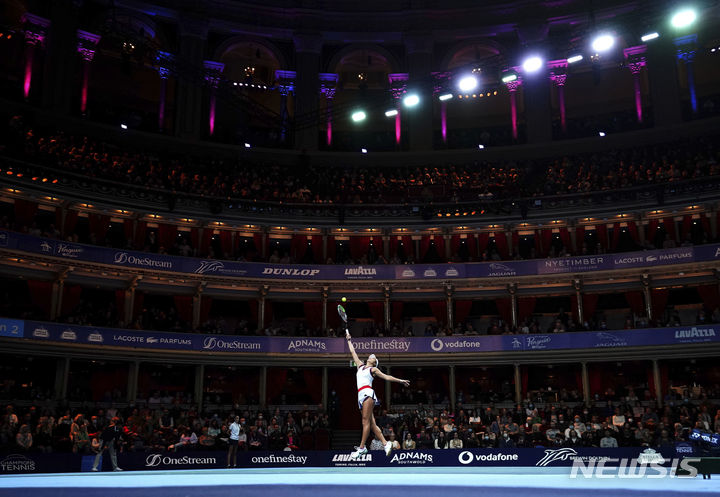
391	113
123	126
468	83
683	18
411	100
358	116
603	43
508	77
481	146
247	145
602	133
363	150
446	96
574	58
650	36
532	64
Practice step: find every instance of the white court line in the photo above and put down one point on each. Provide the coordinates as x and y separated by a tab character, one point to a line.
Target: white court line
468	477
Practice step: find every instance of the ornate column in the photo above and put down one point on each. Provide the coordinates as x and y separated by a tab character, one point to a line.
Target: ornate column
419	56
36	28
398	87
307	63
635	59
512	290
386	308
62	372
263	386
518	383
261	307
577	285
199	380
285	82
658	382
129	300
165	62
197	304
647	297
512	87
132	386
324	298
87	44
451	380
558	75
328	83
325	387
585	383
686	47
213	72
57	294
449	291
193	32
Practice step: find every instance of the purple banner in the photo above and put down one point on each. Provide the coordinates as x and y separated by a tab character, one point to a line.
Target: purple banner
388	346
499	269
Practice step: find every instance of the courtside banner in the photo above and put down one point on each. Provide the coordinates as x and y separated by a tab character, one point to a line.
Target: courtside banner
109	337
214	459
487	270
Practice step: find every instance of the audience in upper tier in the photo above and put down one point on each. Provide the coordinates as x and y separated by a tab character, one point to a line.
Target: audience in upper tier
243	179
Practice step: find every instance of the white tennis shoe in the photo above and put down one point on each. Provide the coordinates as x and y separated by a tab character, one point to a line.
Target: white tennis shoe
359	451
388	448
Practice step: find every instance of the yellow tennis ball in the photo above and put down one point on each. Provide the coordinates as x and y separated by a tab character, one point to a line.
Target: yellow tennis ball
344	299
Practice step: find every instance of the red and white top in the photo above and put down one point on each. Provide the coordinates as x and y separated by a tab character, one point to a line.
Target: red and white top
364	377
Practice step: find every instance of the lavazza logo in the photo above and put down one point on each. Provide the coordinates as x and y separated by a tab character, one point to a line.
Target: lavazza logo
467	457
125	258
412	458
213	343
155	460
346	458
305	345
17	462
694	332
360	272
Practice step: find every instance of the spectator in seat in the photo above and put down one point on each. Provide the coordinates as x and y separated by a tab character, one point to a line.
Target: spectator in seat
408	443
608	441
455	441
441	442
24	439
506	442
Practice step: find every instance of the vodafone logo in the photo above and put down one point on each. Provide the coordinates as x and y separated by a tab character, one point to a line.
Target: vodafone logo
465	457
437	345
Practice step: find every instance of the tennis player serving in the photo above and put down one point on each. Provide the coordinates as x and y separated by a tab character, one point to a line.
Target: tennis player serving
367	399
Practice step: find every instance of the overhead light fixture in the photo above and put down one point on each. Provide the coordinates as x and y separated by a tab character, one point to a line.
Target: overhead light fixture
650	36
358	116
683	18
468	83
603	43
411	100
363	150
532	64
446	96
481	146
391	113
508	77
247	145
574	58
123	126
601	133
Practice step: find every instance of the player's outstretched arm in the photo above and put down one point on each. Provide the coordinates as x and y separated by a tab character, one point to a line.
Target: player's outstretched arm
387	377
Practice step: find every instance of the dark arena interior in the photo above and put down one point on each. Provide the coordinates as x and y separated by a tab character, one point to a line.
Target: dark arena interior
393	248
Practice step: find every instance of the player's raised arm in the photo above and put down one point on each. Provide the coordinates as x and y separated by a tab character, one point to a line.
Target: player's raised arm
388	377
352	349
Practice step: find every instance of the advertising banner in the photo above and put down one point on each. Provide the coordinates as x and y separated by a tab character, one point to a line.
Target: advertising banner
499	269
54	332
470	458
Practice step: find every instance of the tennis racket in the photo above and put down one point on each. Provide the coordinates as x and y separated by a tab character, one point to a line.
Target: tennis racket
343	316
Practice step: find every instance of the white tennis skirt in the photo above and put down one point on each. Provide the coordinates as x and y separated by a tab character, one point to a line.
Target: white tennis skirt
364	394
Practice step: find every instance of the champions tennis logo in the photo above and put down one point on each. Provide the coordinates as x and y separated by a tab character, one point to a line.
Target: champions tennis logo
467	457
412	458
155	460
17	462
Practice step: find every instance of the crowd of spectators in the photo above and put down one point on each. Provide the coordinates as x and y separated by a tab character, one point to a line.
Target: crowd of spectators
244	179
163	424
